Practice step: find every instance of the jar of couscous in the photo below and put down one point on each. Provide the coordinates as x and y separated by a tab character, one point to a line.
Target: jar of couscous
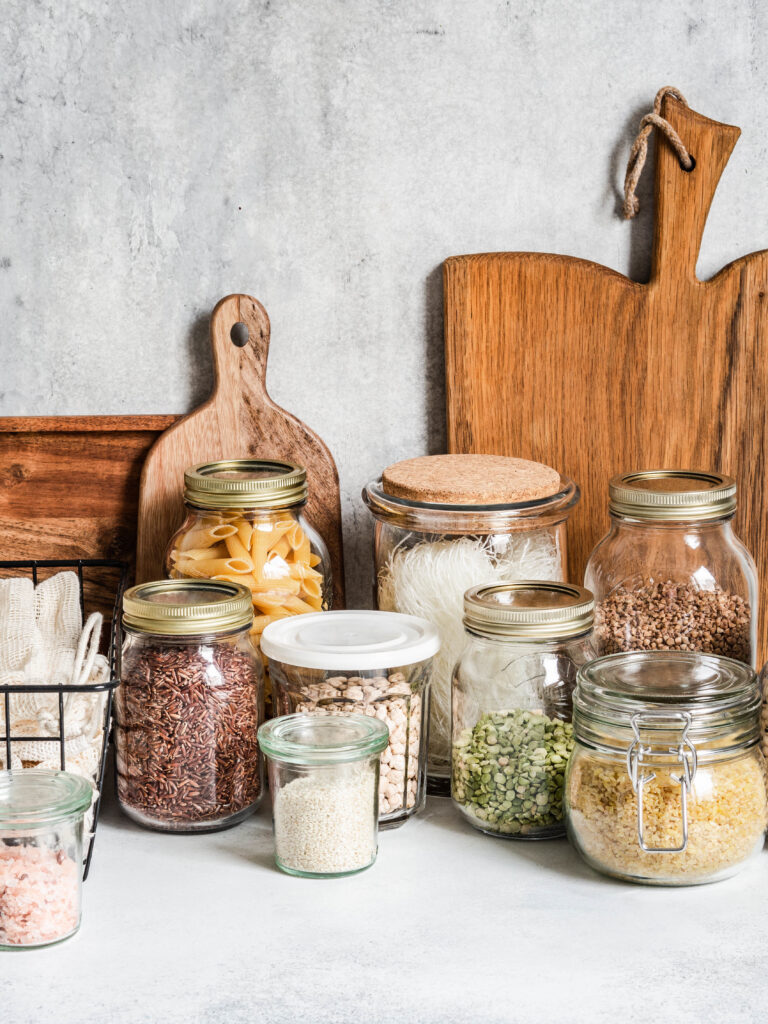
666	782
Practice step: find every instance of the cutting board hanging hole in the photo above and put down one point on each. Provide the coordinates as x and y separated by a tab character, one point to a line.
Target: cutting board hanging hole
692	165
239	334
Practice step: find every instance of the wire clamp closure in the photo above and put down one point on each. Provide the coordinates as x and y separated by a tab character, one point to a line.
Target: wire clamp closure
640	758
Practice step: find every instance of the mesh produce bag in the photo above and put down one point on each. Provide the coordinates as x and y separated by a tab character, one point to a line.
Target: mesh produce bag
43	642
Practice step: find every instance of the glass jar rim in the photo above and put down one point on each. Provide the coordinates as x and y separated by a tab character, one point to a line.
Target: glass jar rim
169	607
238	484
30	797
319	738
717	698
431	517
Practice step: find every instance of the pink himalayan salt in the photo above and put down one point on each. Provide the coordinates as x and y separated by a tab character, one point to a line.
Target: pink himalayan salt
38	895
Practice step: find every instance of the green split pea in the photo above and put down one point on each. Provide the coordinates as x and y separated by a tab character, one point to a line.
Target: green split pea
508	771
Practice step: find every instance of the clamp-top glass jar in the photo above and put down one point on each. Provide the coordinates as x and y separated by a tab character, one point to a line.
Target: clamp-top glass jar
666	782
445	523
244	524
671	574
512	690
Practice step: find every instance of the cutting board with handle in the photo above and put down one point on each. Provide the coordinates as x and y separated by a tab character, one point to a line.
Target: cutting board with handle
239	420
567	362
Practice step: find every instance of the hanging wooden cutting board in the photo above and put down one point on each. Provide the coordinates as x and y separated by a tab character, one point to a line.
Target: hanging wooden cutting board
565	361
239	420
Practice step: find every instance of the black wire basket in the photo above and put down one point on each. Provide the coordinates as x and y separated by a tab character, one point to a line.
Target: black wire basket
88	571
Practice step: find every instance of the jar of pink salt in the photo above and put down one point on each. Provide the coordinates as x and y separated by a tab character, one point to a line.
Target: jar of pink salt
41	856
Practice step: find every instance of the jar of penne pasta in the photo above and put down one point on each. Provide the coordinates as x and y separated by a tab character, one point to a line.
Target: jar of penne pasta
244	524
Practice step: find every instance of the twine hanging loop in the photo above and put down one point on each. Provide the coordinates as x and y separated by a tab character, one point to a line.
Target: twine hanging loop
639	150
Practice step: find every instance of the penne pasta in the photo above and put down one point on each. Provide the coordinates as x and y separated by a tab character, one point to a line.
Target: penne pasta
295	604
210	567
206	537
280	550
244	533
238	552
311	588
295	536
302	552
269	602
217	551
314	560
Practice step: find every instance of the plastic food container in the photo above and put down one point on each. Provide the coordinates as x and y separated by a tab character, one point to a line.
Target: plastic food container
671	574
41	855
244	524
512	704
666	782
188	707
445	523
323	775
373	663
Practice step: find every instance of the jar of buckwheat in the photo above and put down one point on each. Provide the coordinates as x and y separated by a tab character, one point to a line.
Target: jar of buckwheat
671	574
365	662
189	706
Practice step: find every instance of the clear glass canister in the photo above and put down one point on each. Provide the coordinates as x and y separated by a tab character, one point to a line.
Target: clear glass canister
666	783
373	663
512	690
445	523
671	574
188	707
244	524
324	776
41	855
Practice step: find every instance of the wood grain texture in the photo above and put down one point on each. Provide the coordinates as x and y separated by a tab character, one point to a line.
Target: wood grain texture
69	485
239	420
568	362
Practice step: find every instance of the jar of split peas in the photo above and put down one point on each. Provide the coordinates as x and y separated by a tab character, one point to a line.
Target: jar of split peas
244	524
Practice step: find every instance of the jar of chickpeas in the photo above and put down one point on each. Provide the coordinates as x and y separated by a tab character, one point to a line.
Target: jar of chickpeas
244	524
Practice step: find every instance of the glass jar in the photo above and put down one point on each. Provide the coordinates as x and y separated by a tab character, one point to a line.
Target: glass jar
324	777
372	663
671	574
244	524
512	689
41	855
666	783
188	707
457	526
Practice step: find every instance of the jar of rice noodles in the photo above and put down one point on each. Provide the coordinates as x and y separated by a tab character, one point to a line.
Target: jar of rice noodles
445	523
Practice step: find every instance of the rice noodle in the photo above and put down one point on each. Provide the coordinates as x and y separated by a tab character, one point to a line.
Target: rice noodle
429	579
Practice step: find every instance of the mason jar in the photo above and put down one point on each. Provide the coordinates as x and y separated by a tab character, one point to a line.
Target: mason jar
671	574
41	855
666	782
512	693
245	524
445	523
324	777
188	707
371	663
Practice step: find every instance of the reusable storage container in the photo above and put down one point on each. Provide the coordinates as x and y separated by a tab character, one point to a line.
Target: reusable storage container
373	663
512	691
41	855
671	574
244	524
323	776
188	707
445	523
666	782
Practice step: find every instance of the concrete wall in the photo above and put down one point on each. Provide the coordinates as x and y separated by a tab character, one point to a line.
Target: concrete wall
326	157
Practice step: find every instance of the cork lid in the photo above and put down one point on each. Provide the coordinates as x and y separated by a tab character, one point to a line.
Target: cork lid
470	480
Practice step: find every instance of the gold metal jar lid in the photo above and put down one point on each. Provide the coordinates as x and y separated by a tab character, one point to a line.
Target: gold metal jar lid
245	484
672	494
532	610
187	607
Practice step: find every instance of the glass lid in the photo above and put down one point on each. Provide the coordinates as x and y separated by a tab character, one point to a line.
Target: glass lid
34	796
318	739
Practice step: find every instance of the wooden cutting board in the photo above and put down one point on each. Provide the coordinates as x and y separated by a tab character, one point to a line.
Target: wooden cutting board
69	485
239	420
565	361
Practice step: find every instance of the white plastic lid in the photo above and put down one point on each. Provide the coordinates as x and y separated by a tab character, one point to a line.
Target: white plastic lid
350	640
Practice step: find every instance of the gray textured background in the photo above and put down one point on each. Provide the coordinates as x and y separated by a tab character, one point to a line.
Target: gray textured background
326	157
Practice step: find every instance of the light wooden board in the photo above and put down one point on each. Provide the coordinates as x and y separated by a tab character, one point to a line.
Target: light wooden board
570	363
239	420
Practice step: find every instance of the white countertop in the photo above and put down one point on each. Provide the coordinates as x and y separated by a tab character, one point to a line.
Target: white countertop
448	927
